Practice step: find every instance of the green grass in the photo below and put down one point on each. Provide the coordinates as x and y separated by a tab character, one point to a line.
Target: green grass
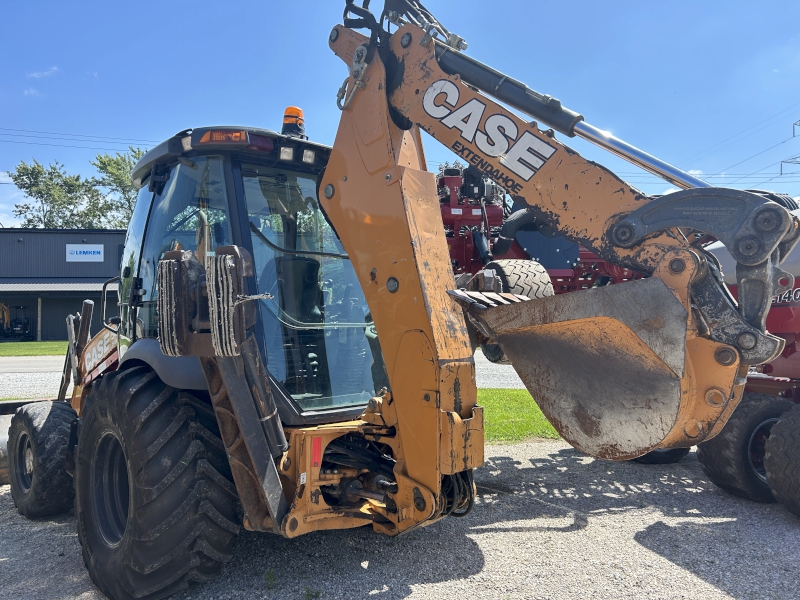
33	349
509	415
512	415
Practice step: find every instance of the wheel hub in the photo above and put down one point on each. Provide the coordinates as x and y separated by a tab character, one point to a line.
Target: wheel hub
24	460
756	448
110	487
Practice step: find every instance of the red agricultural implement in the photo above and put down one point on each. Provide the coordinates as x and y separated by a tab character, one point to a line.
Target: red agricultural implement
757	454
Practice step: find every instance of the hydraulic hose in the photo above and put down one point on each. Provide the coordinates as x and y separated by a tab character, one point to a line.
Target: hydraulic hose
513	224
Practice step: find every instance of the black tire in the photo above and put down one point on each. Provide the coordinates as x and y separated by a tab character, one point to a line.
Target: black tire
37	451
783	460
523	277
734	459
662	457
156	506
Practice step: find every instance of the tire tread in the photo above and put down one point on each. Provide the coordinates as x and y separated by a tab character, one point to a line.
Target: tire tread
782	460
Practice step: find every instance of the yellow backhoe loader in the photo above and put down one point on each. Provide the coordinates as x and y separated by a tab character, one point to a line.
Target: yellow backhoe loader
292	353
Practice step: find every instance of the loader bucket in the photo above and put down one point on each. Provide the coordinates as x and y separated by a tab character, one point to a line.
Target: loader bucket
605	365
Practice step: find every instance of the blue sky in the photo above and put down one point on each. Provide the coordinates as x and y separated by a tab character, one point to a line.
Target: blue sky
713	87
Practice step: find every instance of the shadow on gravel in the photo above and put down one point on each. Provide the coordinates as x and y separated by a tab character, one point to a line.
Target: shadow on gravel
730	550
559	494
725	554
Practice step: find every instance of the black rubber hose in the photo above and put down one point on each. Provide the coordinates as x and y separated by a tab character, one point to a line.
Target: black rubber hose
482	246
513	224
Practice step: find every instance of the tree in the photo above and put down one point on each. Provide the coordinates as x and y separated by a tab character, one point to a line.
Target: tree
59	200
63	201
115	176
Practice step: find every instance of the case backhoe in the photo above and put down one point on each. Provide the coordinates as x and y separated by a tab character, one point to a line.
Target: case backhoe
293	354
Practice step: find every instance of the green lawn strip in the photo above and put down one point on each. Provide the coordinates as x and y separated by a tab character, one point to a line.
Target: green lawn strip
33	349
509	416
512	415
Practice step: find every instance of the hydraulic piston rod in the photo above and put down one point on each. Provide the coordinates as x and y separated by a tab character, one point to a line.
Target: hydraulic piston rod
640	158
549	111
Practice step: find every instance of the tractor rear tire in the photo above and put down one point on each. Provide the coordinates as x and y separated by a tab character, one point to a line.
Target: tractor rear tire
662	457
783	460
522	277
37	451
734	459
156	506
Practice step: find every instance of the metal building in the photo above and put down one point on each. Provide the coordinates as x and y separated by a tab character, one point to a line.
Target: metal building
45	274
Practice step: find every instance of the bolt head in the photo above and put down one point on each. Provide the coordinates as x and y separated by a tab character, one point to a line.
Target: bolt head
677	265
334	35
623	234
767	220
360	54
329	190
693	428
749	246
392	284
715	397
388	177
725	356
405	41
293	525
746	341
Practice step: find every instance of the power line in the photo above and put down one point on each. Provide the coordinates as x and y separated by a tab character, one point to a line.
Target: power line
754	155
57	145
54	137
738	134
99	137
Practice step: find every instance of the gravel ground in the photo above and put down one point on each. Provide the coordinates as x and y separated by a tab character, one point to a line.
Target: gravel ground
549	523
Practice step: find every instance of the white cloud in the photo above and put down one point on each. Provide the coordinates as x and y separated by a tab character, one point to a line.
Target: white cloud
671	190
775	71
31	92
92	73
695	172
45	73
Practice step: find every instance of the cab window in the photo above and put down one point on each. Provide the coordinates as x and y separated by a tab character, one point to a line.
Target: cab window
191	213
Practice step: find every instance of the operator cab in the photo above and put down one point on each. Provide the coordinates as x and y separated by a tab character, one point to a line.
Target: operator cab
257	189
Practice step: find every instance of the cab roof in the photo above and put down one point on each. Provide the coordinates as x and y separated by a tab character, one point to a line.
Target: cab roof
262	142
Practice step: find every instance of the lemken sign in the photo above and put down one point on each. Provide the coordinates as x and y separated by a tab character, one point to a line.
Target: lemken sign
85	252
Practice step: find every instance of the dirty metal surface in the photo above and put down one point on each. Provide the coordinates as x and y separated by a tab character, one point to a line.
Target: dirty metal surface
604	365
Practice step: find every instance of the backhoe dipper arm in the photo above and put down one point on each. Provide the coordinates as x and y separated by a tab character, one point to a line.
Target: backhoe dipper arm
619	371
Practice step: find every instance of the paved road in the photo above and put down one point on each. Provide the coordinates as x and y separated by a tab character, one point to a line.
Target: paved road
31	364
548	523
16	381
488	375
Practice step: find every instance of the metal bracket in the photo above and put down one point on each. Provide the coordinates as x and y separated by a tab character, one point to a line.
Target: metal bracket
749	227
727	326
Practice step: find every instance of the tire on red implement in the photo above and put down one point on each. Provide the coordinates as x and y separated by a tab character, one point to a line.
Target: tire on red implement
522	277
782	460
662	457
734	459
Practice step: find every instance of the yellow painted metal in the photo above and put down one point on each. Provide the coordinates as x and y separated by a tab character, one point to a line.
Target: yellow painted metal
385	207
